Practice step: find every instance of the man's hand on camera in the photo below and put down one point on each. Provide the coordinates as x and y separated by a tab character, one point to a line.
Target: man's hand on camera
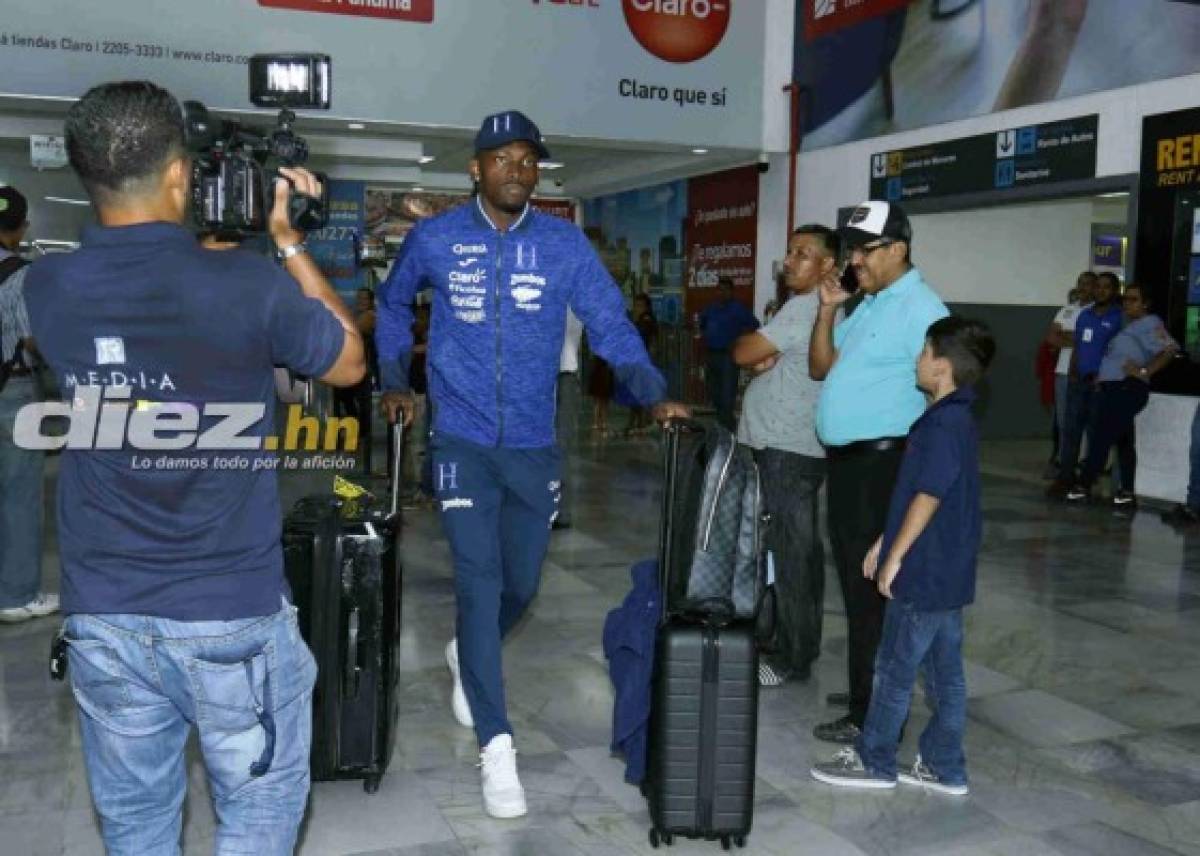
665	411
302	181
395	404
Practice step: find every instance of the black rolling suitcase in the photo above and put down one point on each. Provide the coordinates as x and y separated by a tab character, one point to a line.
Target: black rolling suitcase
704	701
343	566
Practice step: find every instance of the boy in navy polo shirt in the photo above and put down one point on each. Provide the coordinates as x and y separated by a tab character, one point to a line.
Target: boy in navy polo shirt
924	563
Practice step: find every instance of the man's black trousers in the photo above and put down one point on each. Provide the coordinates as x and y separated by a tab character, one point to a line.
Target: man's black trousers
859	489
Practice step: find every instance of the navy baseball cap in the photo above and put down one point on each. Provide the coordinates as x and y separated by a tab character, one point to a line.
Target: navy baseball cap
500	129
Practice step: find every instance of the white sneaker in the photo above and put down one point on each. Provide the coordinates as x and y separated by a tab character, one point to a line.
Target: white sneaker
458	699
43	604
503	796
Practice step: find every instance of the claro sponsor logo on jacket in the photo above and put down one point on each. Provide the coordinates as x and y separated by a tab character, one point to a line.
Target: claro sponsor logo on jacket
678	30
398	10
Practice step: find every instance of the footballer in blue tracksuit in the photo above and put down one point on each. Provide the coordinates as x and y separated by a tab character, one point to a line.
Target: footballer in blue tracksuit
503	276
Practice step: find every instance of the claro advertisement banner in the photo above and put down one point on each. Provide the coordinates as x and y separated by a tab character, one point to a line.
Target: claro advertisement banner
720	235
674	71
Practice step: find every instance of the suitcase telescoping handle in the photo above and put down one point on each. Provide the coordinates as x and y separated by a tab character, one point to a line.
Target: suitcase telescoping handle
396	438
674	429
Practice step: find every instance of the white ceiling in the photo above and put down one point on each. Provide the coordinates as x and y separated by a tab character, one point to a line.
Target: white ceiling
388	154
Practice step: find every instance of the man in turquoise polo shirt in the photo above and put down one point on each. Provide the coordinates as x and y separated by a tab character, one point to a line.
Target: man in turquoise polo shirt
869	401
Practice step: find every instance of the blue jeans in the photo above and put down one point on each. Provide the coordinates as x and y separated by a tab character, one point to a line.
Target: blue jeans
141	683
20	503
1193	490
1080	415
496	508
931	641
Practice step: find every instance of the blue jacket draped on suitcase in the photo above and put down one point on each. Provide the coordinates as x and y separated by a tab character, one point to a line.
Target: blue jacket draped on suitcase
629	633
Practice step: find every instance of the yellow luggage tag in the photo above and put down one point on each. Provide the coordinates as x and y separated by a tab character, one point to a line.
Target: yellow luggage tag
348	490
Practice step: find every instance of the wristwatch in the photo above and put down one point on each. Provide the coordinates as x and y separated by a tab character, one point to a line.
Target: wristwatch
1143	373
285	253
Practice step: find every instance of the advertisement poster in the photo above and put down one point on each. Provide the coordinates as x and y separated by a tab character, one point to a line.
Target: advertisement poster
335	248
644	70
720	234
639	237
872	67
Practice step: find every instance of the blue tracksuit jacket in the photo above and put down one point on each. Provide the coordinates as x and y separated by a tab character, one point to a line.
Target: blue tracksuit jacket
499	315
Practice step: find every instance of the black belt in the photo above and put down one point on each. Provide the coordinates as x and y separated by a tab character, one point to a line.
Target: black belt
883	444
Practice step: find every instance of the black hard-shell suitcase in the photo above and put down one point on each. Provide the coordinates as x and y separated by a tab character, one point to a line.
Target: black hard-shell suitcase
343	566
704	701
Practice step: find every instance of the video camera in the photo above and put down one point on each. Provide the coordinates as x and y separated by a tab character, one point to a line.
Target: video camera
234	166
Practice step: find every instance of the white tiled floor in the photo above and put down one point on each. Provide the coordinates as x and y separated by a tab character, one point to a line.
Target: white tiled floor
1083	738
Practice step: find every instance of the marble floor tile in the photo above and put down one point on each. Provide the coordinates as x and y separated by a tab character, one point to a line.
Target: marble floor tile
1099	839
1081	655
1040	719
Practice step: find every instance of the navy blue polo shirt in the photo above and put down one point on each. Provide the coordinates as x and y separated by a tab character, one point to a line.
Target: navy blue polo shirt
1093	332
143	311
941	459
722	322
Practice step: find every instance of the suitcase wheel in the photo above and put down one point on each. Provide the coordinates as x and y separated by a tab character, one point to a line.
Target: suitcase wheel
740	840
654	838
657	838
725	842
371	784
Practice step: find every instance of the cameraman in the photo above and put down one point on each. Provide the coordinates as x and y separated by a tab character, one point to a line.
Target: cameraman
173	587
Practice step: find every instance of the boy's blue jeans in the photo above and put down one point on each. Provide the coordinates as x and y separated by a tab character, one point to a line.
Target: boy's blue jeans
141	683
931	641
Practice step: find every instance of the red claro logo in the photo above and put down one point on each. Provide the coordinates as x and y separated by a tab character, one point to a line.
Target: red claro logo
678	30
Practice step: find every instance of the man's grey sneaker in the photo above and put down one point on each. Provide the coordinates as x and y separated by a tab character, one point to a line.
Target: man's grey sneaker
920	774
846	770
839	731
43	604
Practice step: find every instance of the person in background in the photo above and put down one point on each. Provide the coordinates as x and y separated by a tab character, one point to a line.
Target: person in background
21	470
778	421
721	322
1094	329
869	401
1133	357
1061	335
924	563
647	327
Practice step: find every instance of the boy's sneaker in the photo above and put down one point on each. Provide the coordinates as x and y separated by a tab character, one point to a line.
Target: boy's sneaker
503	796
922	775
458	699
43	604
1181	515
846	770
